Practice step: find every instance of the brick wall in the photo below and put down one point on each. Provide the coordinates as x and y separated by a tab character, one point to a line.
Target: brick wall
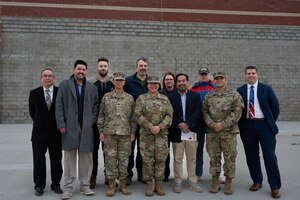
29	44
276	12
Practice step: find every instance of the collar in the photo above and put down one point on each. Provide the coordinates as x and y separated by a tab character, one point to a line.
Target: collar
114	94
255	85
106	79
136	77
50	89
183	93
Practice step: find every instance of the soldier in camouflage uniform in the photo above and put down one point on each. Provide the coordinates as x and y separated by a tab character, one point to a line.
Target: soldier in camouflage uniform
153	113
117	129
222	110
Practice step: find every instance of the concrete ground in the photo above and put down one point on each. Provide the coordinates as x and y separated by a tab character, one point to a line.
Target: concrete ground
17	184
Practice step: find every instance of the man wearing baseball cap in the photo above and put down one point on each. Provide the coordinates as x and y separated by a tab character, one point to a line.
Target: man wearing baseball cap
203	86
222	110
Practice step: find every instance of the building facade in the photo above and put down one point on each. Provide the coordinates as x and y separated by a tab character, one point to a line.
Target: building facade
176	35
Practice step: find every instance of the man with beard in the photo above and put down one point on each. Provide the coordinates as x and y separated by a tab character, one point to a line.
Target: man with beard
187	114
76	114
104	85
136	85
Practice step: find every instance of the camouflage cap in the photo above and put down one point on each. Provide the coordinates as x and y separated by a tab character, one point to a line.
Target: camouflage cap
219	74
153	79
203	70
118	76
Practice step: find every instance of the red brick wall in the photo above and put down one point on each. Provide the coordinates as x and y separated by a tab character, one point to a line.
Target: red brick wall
269	12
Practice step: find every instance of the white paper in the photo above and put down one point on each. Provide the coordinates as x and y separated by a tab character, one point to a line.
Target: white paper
189	136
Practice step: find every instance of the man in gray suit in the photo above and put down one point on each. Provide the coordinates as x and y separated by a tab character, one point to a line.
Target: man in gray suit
76	113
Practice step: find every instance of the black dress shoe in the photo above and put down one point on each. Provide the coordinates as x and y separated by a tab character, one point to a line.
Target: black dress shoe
56	189
38	191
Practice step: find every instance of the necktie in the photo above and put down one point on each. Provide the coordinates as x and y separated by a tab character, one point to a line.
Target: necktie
251	103
48	98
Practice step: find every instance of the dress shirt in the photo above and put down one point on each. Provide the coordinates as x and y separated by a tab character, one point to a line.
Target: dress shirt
183	103
50	92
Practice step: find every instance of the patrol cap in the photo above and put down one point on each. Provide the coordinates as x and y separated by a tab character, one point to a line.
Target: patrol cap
118	76
153	79
203	70
219	74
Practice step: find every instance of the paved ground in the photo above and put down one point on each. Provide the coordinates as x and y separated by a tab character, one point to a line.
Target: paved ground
16	171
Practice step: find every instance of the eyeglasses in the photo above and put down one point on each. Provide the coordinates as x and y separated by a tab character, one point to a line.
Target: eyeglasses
203	74
47	76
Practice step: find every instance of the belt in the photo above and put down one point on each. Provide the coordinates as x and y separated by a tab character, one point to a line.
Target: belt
256	119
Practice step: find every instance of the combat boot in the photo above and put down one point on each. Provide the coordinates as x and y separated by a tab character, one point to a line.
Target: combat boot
123	187
149	188
111	191
215	186
228	186
159	189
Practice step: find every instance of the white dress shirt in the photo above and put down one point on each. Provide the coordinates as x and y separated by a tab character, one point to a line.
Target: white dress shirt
50	92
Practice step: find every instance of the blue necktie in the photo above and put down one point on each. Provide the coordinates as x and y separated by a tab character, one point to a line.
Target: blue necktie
251	103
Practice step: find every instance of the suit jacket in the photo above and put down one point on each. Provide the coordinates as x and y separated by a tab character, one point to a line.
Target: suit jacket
44	124
67	115
268	103
193	114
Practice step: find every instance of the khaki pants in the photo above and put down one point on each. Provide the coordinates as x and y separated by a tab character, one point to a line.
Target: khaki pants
190	150
85	167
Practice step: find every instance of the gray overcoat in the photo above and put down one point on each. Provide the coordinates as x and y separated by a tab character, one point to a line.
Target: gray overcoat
67	115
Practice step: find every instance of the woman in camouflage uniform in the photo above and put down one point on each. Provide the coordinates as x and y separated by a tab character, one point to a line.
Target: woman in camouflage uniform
153	112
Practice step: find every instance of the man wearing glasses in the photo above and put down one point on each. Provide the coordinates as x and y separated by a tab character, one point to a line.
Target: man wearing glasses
45	134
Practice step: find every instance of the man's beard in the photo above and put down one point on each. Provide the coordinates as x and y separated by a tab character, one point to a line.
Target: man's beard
103	73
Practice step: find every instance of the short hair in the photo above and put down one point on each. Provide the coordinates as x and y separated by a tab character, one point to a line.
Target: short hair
45	69
103	59
251	67
166	74
80	62
182	74
141	58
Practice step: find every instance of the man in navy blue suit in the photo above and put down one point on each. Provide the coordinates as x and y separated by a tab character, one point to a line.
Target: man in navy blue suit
187	116
257	126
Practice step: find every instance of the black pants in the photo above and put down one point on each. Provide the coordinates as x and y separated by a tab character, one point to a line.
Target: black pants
138	159
95	152
167	167
39	150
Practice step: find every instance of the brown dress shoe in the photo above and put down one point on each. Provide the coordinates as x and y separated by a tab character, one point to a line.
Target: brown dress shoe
275	194
255	187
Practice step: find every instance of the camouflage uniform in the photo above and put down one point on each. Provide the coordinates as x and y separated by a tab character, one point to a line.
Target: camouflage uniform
225	108
115	121
153	111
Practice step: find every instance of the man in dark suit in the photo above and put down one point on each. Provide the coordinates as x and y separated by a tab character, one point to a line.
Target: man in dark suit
257	126
45	134
186	119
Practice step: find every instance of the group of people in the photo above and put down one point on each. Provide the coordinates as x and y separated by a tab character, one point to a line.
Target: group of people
131	113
